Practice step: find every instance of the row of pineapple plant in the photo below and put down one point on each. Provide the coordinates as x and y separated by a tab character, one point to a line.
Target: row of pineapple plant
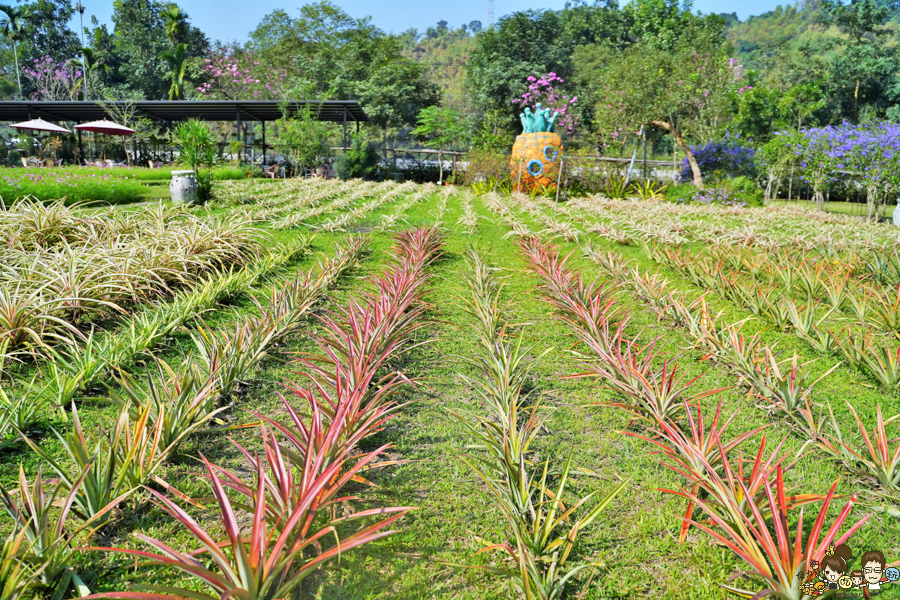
738	507
871	352
820	284
331	199
71	371
543	522
469	218
281	203
390	220
52	293
391	195
783	384
776	227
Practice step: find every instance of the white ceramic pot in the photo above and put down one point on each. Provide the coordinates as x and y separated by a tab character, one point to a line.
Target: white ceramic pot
183	187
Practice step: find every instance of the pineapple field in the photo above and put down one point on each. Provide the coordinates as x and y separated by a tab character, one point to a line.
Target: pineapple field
359	390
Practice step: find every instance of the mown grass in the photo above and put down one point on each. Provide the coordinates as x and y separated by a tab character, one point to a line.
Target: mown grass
116	185
634	543
847	208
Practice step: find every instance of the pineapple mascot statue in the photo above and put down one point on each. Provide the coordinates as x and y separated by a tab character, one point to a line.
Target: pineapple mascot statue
537	152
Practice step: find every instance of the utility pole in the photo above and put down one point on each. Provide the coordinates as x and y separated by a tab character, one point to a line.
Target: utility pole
80	8
490	13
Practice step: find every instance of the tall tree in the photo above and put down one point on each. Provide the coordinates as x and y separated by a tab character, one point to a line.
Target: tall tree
175	20
48	31
535	42
687	93
177	67
346	58
439	127
13	20
138	39
865	65
90	65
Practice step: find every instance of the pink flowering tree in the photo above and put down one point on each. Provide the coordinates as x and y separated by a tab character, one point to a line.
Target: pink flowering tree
53	80
233	74
546	92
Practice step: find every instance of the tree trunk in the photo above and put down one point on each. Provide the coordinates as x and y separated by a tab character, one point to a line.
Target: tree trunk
692	160
18	78
440	168
767	196
682	143
870	202
820	199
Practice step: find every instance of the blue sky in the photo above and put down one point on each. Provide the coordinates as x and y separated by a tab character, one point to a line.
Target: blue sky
234	19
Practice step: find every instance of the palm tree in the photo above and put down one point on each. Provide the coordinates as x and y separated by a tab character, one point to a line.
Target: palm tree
175	20
89	64
177	68
13	20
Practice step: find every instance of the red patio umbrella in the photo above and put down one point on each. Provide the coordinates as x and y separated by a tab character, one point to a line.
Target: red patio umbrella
104	126
107	127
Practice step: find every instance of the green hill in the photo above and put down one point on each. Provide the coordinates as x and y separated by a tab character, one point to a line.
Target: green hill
790	27
445	51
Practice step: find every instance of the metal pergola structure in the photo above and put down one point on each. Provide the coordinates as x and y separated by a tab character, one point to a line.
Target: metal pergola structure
170	111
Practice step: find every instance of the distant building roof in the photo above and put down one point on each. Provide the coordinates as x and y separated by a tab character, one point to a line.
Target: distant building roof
179	110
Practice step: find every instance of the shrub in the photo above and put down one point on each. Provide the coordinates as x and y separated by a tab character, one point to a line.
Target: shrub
360	161
198	151
726	194
680	194
583	176
719	160
487	168
423	174
304	140
745	188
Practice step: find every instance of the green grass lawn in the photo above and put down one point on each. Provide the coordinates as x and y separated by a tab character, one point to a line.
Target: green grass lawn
633	545
847	208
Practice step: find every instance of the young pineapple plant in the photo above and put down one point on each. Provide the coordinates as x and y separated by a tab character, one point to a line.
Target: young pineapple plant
871	449
49	533
781	559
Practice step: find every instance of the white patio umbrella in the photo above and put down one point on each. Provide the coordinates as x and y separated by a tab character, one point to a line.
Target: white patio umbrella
40	125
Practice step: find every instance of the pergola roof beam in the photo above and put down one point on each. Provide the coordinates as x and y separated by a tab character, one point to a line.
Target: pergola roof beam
179	110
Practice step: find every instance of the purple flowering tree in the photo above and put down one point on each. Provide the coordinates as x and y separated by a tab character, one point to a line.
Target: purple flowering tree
817	161
53	80
867	154
545	91
720	159
776	157
871	153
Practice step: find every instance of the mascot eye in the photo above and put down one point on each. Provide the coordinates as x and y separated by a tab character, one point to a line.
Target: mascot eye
550	153
535	168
